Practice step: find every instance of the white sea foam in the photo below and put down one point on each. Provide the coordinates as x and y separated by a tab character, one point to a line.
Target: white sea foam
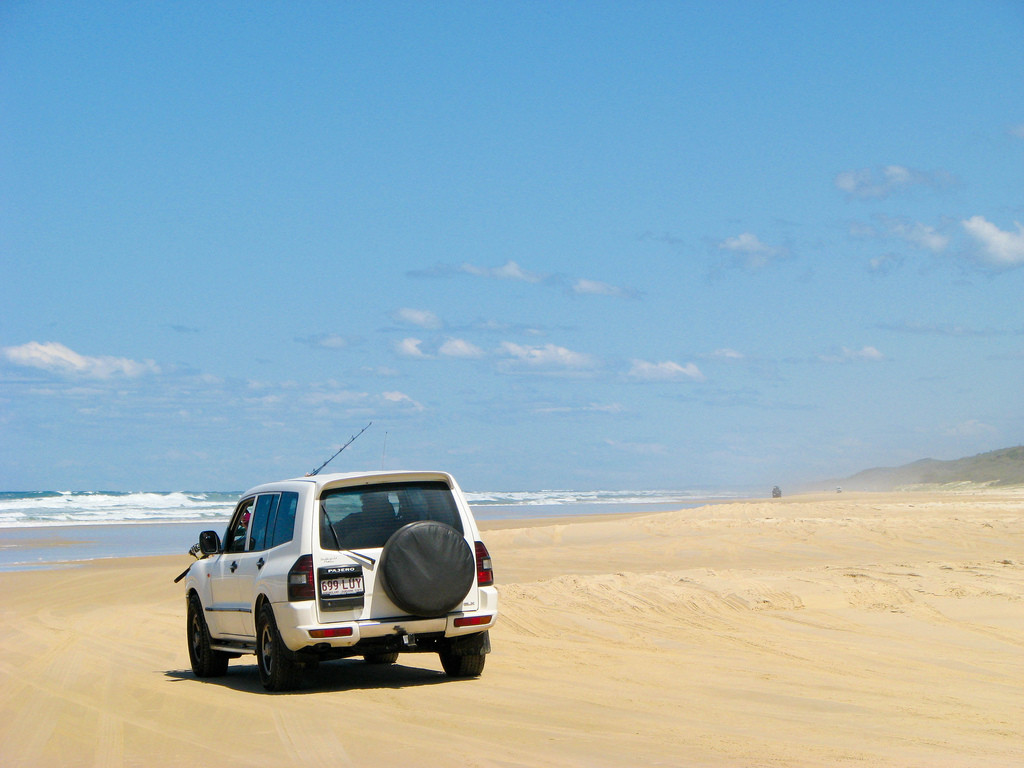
566	497
98	508
41	509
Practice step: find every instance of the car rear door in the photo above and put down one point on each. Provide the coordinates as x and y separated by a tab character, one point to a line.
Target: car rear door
250	562
356	524
226	608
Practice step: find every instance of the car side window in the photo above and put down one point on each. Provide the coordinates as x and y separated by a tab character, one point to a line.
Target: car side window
239	527
282	530
266	505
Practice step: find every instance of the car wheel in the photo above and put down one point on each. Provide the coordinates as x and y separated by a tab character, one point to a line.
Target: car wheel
462	666
427	568
380	658
206	662
278	670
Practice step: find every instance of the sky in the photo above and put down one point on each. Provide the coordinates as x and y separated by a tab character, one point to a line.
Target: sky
559	245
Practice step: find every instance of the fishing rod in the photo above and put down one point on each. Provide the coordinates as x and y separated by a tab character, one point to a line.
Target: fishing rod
197	553
346	445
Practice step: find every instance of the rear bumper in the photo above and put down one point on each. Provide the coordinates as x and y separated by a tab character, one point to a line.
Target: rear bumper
299	627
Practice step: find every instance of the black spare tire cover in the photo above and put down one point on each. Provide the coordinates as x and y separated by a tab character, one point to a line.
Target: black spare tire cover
427	568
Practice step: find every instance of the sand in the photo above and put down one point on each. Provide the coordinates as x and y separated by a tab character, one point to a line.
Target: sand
841	630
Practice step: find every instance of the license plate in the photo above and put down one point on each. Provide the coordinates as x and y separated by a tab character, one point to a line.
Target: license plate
343	587
341	584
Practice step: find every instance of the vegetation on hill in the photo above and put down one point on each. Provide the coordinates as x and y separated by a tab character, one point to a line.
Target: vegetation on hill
1000	468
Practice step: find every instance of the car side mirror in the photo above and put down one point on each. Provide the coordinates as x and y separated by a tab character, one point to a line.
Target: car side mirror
209	543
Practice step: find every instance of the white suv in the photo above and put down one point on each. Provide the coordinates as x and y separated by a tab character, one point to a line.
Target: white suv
360	564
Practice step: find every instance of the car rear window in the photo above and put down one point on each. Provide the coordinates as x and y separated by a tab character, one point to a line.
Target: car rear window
366	516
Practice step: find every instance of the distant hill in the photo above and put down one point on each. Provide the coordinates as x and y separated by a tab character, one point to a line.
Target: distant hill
996	469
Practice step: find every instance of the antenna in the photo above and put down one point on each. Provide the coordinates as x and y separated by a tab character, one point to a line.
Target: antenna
346	445
385	451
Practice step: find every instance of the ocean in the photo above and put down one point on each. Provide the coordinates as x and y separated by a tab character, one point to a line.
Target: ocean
46	529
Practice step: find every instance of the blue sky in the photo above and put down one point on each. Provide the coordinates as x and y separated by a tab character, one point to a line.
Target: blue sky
539	245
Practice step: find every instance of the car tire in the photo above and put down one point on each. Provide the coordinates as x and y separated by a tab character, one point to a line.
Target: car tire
206	662
278	670
462	666
427	568
380	658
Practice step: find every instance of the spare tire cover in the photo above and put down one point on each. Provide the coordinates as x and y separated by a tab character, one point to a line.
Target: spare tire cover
427	568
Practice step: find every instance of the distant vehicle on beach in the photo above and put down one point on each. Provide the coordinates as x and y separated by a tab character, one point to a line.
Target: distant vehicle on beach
330	566
776	492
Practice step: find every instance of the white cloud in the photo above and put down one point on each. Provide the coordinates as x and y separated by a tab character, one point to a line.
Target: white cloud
898	175
999	249
460	348
847	355
597	288
324	341
385	371
548	356
745	243
916	233
664	371
419	317
858	184
877	183
333	341
885	262
971	428
728	354
410	347
510	270
400	398
864	353
643	449
591	408
55	357
335	397
749	251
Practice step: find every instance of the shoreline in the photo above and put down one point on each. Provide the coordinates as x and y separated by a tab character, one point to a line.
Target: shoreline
68	545
64	546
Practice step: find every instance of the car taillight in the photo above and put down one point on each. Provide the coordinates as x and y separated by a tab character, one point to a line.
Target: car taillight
333	632
484	573
473	621
301	584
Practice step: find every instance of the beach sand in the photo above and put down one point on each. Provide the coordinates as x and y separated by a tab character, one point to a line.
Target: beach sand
850	630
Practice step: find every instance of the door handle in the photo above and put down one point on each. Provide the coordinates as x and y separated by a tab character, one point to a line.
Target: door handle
260	563
234	565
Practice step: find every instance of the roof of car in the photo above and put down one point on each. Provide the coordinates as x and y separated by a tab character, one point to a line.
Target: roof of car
333	479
